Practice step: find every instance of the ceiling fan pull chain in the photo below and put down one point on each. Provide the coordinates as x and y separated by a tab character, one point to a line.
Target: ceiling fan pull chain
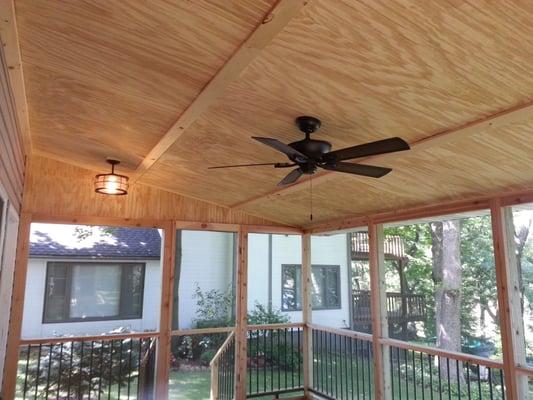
311	195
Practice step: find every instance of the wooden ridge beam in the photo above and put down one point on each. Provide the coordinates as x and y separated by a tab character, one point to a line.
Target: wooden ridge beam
275	20
508	116
10	43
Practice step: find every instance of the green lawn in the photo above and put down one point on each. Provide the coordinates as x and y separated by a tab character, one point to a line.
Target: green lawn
196	385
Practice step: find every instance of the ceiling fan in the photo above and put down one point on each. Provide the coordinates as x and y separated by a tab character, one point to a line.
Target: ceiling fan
308	155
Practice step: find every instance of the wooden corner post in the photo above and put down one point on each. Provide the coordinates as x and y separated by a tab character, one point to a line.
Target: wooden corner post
241	345
165	323
17	306
380	329
511	325
307	315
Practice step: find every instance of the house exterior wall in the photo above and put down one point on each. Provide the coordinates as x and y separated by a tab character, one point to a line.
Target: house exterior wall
206	262
32	322
286	249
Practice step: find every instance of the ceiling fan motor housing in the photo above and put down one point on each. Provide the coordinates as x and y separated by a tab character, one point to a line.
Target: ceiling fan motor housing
313	149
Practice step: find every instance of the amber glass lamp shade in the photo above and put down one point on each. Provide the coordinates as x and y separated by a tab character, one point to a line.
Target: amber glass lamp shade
112	184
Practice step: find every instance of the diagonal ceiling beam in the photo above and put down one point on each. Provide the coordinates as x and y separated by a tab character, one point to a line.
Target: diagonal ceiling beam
518	113
275	20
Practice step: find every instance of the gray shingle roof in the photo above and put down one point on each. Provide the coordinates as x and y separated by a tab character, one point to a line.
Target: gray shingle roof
48	240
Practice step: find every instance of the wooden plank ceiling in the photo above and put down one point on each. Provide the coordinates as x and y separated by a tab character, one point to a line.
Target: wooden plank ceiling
108	79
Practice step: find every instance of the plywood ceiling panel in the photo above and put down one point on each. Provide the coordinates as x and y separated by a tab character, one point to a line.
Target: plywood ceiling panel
482	164
102	75
105	71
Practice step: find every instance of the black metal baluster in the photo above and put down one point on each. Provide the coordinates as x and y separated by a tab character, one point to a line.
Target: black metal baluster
334	362
430	377
59	368
440	378
70	369
38	369
111	343
271	359
351	366
414	375
285	352
357	365
391	363
458	380
100	371
448	376
326	339
26	372
369	352
49	368
130	367
399	374
257	358
80	381
345	355
293	357
406	364
502	384
278	357
479	381
120	367
91	369
490	383
339	352
300	331
468	381
363	370
265	360
251	371
422	376
321	371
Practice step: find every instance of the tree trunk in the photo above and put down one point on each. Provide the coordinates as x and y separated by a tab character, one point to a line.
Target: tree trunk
446	252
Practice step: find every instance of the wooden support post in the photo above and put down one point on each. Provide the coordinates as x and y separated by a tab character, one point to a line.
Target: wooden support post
165	322
511	325
307	311
241	345
380	329
17	307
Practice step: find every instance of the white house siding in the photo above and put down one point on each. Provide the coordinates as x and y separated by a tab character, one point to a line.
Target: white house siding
286	249
33	327
333	250
207	261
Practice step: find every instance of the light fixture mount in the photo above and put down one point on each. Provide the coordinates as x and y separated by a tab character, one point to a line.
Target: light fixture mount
112	183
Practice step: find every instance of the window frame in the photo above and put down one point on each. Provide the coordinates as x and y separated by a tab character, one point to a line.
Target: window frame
69	266
335	267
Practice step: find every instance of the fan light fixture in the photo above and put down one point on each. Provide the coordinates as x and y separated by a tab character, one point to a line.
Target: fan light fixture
112	183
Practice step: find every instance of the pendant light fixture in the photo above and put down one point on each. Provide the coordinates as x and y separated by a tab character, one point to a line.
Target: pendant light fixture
112	183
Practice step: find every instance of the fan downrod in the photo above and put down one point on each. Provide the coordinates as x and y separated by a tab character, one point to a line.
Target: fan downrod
308	124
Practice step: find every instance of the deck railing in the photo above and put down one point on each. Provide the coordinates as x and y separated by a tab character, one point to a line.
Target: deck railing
421	372
343	369
342	364
400	307
275	362
112	367
223	370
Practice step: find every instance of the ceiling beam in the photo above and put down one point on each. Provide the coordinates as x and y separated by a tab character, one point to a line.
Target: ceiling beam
275	20
518	113
10	43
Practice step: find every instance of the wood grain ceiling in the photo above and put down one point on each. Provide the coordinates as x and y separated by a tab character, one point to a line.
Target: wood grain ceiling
109	79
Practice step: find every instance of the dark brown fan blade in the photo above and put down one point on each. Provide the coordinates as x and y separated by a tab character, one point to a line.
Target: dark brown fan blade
293	176
284	148
368	149
358	169
276	165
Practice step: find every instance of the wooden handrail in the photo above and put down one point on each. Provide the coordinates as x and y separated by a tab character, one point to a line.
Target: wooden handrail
443	353
275	326
66	339
202	331
341	332
221	349
214	365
